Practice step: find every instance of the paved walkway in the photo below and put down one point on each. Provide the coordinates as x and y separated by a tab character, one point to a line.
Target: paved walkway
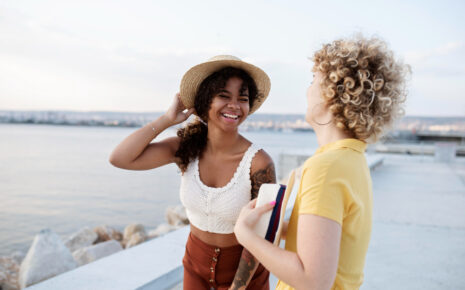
418	239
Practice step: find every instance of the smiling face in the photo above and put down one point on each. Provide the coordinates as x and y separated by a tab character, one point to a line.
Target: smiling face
230	106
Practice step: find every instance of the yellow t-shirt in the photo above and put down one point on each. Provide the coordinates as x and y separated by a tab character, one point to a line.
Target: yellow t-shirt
336	184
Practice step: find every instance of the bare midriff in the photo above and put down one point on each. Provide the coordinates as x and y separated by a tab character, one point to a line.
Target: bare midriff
218	240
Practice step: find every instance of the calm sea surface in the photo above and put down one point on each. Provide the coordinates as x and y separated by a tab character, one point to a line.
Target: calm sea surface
59	177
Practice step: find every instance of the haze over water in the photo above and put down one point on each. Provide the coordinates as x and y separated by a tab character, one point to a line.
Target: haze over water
59	177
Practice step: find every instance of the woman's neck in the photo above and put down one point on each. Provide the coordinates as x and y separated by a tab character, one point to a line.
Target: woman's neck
221	142
329	133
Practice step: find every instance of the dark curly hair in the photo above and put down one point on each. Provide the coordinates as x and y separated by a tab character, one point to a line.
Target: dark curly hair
194	135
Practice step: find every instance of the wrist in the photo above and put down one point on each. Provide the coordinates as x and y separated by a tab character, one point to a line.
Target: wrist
159	125
164	121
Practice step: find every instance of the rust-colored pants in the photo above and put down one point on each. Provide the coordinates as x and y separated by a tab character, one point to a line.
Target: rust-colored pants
210	267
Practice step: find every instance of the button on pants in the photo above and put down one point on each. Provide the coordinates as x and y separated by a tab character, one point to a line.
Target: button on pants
210	267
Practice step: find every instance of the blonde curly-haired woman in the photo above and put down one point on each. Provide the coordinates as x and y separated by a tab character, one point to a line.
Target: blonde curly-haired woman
357	92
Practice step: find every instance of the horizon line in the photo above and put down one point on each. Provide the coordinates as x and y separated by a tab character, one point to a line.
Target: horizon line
160	112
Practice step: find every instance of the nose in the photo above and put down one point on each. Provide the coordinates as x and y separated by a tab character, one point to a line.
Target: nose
233	103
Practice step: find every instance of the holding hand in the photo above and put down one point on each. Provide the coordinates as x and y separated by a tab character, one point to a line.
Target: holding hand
175	113
248	218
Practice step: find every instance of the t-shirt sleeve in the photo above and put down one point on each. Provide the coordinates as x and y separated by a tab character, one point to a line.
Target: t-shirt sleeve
322	194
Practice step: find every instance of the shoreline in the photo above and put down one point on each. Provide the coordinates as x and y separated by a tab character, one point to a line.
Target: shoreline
20	269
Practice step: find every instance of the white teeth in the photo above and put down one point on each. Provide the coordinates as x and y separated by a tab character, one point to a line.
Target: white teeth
230	116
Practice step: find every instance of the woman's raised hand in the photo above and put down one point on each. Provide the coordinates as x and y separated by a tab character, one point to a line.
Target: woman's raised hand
175	113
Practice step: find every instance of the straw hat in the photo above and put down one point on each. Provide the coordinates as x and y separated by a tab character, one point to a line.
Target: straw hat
192	79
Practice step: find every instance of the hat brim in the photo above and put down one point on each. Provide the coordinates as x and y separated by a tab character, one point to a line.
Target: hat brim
192	79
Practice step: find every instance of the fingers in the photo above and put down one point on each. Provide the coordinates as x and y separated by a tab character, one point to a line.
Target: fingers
176	104
190	112
260	209
252	203
177	99
265	207
179	102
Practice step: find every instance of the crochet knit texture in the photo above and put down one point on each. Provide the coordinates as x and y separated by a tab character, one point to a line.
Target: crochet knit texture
215	209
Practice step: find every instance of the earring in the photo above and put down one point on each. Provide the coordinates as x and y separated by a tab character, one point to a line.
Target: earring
313	118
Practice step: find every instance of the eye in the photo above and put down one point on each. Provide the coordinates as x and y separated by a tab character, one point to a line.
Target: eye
244	99
223	96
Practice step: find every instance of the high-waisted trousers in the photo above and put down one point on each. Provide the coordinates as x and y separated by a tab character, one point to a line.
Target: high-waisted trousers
210	267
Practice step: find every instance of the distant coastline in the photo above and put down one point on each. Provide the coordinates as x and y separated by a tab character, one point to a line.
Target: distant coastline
256	122
406	128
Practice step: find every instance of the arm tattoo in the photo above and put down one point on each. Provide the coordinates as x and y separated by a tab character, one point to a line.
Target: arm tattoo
247	266
265	175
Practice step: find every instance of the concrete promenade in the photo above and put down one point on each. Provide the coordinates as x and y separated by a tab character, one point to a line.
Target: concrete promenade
418	238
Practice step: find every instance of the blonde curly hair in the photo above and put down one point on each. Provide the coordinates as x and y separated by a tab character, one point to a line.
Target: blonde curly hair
363	85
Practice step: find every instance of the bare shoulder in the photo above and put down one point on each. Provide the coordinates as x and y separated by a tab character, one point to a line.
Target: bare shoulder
261	161
262	171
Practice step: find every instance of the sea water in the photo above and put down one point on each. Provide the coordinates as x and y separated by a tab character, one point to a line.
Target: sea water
59	177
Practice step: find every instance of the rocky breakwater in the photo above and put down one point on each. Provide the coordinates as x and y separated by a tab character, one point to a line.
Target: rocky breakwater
49	255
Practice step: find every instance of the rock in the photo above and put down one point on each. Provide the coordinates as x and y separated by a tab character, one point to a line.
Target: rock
176	215
8	286
3	276
161	230
131	230
6	263
18	256
47	257
83	238
92	253
106	233
136	238
9	269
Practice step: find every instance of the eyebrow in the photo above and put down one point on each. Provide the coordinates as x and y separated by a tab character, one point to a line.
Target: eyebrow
241	93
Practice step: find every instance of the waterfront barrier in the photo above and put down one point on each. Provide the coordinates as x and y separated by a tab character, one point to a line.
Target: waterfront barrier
155	264
437	149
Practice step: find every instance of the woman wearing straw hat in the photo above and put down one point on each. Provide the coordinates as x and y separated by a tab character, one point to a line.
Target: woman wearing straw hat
357	91
221	170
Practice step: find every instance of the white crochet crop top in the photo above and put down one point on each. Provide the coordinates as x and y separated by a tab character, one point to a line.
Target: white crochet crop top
215	209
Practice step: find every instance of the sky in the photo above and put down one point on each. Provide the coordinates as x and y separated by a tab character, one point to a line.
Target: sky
130	55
